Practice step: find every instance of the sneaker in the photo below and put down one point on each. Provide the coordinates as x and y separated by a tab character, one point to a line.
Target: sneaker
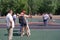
28	34
22	34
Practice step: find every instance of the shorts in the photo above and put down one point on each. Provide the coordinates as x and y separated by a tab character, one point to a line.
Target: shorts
45	20
23	24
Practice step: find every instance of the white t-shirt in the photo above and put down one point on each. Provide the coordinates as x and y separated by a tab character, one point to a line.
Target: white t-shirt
8	19
46	16
14	16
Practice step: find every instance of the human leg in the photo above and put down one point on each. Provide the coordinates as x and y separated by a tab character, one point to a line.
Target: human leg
10	33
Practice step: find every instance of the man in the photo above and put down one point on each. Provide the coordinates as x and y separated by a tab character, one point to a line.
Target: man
24	23
14	17
45	19
10	24
50	15
51	18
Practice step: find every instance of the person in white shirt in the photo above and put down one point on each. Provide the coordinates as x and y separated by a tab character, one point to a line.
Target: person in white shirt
24	23
45	19
14	17
10	24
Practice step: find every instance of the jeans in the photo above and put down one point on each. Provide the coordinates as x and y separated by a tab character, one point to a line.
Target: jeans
45	22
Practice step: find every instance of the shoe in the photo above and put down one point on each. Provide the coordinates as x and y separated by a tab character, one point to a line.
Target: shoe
22	34
28	34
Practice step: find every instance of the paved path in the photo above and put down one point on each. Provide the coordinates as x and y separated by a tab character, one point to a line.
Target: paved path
37	25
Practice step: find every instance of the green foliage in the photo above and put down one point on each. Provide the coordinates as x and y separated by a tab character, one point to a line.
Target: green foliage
46	6
31	6
15	5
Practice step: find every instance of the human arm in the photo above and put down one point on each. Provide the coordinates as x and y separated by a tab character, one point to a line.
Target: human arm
11	22
28	16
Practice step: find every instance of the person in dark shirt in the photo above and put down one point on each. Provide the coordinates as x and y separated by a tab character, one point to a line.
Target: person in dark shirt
24	23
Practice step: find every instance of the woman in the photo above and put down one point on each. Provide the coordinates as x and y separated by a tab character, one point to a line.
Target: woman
24	23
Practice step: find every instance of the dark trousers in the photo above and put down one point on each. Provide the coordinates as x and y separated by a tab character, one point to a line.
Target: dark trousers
45	22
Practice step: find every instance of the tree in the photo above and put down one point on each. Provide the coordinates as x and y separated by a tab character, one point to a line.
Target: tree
46	6
31	6
15	5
